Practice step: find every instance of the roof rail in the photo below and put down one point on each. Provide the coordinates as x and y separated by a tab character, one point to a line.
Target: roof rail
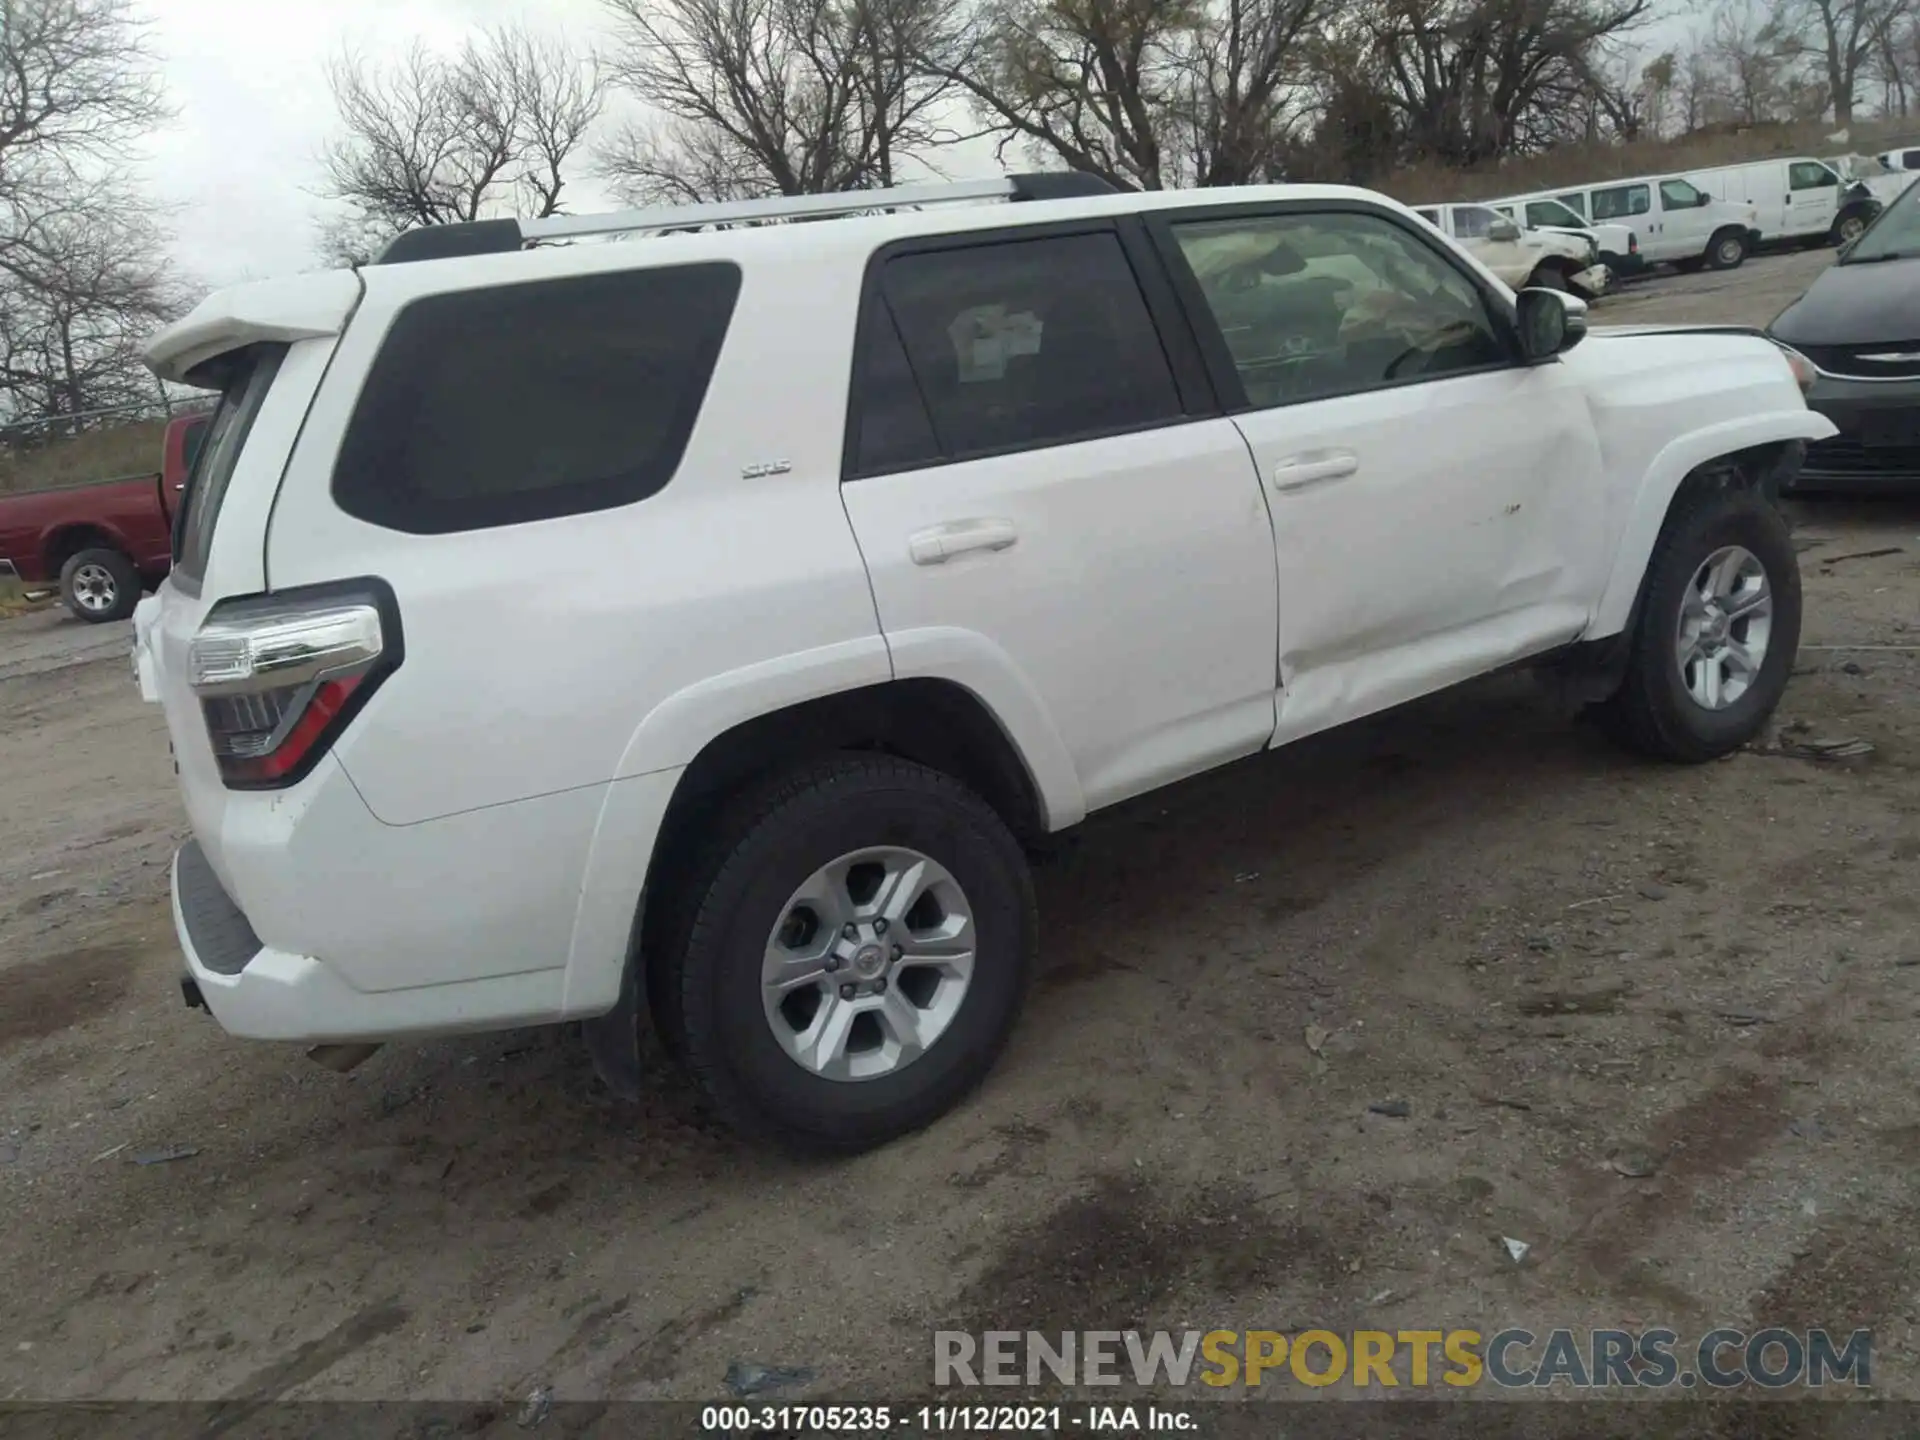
494	237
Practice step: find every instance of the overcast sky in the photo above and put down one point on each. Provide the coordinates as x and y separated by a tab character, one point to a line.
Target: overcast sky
241	163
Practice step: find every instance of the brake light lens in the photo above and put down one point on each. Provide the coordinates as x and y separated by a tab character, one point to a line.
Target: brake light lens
1633	243
280	676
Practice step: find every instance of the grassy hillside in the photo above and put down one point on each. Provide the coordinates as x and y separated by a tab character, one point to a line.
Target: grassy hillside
1578	164
132	449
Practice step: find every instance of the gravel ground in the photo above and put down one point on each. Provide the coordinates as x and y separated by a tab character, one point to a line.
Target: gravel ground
1655	1022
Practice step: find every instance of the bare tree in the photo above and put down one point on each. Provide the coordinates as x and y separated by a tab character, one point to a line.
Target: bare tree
434	139
78	86
783	97
83	274
1752	57
1840	39
76	308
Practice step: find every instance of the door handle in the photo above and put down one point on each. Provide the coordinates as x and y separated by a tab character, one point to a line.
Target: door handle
941	543
1317	468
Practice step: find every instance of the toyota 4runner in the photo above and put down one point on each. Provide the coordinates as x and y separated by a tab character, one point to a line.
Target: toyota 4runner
696	631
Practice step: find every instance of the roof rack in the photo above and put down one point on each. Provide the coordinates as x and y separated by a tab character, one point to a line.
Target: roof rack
495	237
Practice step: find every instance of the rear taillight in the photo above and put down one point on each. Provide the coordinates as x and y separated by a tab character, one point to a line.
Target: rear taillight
279	676
1633	243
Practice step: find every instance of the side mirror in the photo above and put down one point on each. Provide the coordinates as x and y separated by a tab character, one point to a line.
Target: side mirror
1705	199
1504	231
1551	322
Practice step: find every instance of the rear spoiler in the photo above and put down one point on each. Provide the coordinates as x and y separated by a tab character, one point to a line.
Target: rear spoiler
301	307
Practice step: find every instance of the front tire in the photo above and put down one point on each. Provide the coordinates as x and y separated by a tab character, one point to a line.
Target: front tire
855	956
1848	228
1718	630
99	585
1549	278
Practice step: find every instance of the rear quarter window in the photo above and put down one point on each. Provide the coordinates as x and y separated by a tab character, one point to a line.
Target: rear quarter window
244	377
526	402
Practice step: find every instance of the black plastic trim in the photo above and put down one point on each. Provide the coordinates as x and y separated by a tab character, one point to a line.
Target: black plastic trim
1158	314
221	935
450	242
393	650
1062	185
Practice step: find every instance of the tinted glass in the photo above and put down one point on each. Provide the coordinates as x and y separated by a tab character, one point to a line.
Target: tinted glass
246	376
1575	203
1551	212
1807	175
1678	195
1622	200
523	402
895	431
1910	159
1030	342
1319	305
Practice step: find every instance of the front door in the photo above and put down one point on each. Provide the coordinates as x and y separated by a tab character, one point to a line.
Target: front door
1686	219
1813	198
1434	499
1049	516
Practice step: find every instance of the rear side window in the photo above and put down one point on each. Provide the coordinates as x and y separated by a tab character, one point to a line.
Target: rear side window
526	402
1622	201
244	377
1011	346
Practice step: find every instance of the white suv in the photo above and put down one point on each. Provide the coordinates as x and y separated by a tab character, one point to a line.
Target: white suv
694	629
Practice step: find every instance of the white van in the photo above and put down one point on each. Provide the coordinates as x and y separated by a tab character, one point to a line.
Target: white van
1796	198
1675	221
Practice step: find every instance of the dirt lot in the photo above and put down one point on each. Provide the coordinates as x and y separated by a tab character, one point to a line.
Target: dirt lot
1568	964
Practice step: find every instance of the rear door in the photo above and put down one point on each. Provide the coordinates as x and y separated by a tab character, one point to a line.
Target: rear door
1434	499
1041	481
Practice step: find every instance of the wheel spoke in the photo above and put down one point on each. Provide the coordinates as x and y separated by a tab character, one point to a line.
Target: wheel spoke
1722	573
1709	682
948	949
1740	661
786	972
823	1048
903	1024
904	882
1757	601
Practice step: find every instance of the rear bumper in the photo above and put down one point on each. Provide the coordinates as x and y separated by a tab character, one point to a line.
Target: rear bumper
1878	446
260	993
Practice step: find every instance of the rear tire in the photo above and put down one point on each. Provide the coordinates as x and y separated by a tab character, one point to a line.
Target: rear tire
783	876
1726	250
1685	698
99	585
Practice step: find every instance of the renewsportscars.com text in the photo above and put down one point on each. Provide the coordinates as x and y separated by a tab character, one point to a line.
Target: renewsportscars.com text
1722	1359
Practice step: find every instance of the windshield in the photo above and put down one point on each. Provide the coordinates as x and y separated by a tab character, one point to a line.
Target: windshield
1895	235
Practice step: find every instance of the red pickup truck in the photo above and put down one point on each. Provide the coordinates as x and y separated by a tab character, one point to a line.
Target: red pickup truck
106	541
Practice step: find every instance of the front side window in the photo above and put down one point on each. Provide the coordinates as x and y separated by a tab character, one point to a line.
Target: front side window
1621	201
1679	195
1810	175
526	402
1011	345
1319	305
1577	204
1551	212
